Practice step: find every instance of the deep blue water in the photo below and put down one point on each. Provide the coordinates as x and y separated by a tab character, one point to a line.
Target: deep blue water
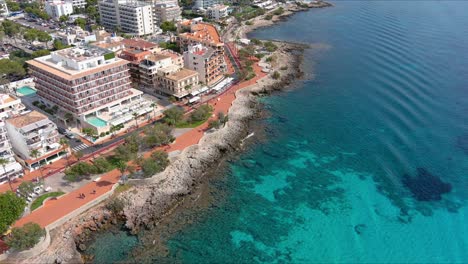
368	162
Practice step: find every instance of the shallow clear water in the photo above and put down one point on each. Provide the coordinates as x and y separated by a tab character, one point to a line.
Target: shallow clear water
368	162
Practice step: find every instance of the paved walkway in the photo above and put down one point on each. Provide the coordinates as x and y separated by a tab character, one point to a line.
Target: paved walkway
53	210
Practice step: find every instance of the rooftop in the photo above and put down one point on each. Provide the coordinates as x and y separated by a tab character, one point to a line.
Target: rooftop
6	98
203	32
182	74
58	62
81	54
157	57
139	44
27	119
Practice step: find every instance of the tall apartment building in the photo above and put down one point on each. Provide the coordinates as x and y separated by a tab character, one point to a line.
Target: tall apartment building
167	11
9	107
58	8
132	17
206	61
204	4
79	4
89	82
217	12
34	131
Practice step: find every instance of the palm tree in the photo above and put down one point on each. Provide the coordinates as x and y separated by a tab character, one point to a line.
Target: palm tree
154	106
64	143
135	116
68	117
122	166
3	163
113	129
36	154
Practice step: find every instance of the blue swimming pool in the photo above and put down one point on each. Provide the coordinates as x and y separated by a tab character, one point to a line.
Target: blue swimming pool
96	121
25	91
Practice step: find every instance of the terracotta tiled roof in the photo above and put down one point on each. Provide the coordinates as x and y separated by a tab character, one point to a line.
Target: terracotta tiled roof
139	44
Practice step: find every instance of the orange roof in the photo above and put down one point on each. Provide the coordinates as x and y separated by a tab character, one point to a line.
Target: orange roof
139	44
203	32
27	119
134	55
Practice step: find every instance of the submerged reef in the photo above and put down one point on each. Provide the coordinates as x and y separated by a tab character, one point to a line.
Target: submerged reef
426	186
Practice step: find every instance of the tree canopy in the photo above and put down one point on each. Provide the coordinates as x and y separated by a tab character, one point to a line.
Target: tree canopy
11	68
173	115
157	135
11	208
81	22
168	26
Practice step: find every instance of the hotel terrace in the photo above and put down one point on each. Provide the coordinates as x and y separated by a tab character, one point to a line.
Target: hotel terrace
91	84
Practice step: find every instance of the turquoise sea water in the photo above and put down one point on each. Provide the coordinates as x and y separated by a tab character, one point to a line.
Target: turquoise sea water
368	162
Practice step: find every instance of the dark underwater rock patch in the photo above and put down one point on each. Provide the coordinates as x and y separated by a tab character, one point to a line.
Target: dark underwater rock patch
462	143
426	186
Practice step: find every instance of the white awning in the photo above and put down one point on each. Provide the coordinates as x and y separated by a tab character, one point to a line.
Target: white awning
54	145
204	89
195	93
118	121
195	99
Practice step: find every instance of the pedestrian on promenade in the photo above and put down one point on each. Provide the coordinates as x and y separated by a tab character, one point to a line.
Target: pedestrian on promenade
94	191
84	196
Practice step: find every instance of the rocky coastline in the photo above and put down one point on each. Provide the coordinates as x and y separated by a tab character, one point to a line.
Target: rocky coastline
159	196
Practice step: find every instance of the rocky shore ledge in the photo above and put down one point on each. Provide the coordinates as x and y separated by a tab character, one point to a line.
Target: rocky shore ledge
158	196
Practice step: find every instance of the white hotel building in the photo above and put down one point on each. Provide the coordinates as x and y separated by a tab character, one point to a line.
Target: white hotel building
132	17
91	84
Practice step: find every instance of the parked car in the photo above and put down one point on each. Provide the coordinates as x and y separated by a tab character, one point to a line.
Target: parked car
61	130
69	134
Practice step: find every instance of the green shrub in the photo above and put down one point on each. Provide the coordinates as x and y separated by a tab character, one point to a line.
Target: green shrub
276	75
25	237
202	113
11	208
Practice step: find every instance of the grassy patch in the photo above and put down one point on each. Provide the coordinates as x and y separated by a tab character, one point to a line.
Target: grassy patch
190	124
122	188
39	200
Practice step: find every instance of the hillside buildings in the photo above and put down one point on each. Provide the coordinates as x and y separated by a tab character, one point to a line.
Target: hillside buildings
34	132
132	17
58	8
91	84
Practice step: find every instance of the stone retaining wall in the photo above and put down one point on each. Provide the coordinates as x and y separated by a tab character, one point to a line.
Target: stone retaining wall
45	242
